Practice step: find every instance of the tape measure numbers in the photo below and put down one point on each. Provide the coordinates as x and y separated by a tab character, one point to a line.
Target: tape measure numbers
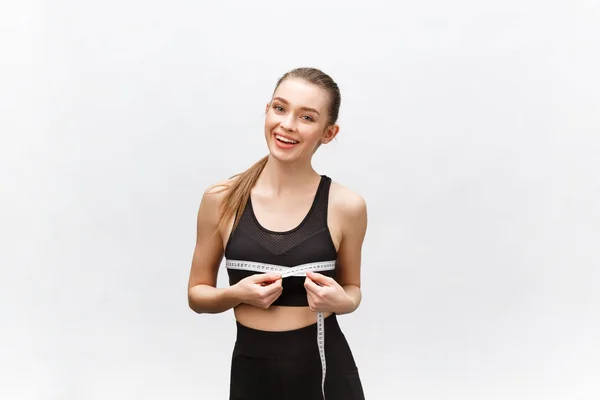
299	270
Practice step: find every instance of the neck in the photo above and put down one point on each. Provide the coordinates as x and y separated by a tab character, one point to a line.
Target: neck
287	178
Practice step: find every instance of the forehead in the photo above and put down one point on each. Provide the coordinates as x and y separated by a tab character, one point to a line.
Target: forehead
300	93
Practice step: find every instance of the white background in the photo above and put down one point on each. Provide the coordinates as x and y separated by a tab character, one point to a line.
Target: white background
471	128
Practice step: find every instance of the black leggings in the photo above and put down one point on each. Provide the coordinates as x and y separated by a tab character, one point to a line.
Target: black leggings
286	365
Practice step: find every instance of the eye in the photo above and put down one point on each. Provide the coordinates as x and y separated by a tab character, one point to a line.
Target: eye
278	108
309	118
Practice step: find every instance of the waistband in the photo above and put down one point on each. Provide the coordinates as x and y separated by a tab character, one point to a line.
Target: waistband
270	344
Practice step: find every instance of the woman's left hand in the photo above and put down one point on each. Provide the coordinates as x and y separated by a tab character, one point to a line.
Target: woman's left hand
325	294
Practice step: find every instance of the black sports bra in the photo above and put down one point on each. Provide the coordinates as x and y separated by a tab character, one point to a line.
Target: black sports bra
309	242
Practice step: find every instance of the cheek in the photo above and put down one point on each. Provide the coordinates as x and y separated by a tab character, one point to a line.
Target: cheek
313	135
270	121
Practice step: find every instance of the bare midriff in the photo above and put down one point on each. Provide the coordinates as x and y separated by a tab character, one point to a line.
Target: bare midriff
275	318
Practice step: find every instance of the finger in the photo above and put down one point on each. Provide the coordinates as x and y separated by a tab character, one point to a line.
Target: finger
319	278
271	299
311	302
274	296
311	286
270	283
273	288
267	277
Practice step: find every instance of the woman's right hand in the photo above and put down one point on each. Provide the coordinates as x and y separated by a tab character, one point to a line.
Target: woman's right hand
259	290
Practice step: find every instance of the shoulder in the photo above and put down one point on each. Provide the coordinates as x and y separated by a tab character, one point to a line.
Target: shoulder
347	202
218	189
214	194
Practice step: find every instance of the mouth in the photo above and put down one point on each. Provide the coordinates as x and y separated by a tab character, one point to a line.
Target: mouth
285	139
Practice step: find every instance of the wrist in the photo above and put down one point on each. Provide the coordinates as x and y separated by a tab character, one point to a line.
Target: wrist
350	304
352	300
232	295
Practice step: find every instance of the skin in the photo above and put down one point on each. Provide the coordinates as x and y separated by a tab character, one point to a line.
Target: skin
281	198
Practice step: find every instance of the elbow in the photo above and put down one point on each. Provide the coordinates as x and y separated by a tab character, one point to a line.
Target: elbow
194	308
194	304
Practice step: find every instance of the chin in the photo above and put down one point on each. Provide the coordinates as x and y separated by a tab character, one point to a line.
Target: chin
283	156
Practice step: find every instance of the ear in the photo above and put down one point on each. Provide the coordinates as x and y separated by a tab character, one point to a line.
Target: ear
267	107
330	133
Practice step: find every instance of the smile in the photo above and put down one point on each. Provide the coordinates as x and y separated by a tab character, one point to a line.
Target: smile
285	140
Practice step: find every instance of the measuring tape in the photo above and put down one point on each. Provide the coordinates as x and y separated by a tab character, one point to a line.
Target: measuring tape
299	270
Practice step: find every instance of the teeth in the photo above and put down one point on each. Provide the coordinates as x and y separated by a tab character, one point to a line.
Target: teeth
285	139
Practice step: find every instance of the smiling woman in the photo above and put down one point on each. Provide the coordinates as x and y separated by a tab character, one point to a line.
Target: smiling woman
292	240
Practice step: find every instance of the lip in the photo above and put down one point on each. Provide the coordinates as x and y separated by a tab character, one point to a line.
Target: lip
285	136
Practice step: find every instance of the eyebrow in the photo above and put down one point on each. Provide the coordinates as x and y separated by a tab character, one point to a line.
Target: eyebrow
302	108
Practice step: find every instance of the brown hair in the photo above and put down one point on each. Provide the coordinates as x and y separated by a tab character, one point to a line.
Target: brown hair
238	191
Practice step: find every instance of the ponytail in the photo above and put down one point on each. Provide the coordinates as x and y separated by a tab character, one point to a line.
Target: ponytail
238	193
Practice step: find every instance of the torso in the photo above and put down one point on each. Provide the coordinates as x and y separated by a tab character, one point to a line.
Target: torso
282	215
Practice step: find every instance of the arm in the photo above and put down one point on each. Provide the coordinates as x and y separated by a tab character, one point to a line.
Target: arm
203	295
342	295
350	252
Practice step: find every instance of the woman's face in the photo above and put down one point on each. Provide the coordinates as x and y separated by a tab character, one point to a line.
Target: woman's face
296	121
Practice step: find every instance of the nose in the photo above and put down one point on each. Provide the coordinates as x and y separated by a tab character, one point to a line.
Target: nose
288	122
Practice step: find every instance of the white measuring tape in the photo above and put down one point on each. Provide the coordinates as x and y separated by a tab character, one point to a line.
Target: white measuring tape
299	270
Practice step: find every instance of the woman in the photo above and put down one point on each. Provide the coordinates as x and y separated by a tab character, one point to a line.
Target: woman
278	215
